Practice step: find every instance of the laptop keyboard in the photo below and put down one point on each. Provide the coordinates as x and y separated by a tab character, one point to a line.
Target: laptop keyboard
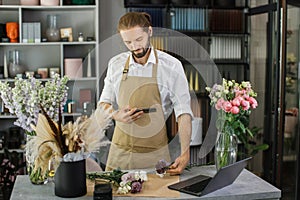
197	187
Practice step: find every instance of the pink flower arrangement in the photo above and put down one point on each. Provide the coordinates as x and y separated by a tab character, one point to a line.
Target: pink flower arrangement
234	102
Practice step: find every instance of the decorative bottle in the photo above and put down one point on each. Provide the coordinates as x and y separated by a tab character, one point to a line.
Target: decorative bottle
15	67
52	31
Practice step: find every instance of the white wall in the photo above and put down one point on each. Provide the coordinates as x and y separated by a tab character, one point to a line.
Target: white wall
109	13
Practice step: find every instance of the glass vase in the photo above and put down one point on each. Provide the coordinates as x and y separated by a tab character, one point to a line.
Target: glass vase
225	150
35	173
15	67
52	31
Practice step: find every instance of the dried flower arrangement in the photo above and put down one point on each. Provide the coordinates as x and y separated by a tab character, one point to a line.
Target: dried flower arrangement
23	98
69	142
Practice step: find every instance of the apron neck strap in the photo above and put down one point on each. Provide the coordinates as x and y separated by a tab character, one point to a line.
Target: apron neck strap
126	68
154	68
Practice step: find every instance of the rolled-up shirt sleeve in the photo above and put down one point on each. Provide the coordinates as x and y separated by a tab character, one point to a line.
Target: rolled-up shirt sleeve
179	90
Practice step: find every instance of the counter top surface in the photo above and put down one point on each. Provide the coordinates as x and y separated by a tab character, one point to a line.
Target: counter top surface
247	186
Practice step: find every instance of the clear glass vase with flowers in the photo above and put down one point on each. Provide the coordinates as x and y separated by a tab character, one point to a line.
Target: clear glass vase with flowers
234	103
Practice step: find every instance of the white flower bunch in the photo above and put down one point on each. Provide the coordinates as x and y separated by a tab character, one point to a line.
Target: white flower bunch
26	96
124	188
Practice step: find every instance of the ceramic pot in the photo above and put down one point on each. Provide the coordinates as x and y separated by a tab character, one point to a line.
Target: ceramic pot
70	179
49	2
29	2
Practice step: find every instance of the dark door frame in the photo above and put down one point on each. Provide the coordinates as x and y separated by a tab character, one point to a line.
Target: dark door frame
275	92
296	3
271	95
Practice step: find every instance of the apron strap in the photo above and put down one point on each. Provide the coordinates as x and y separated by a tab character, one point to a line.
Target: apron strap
126	67
154	68
125	70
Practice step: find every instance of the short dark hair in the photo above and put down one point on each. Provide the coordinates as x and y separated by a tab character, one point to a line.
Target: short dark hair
132	19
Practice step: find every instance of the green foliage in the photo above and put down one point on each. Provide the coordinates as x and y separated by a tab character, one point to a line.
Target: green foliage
114	176
249	142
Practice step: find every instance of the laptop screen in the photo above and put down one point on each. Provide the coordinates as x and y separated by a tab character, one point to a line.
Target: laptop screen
201	185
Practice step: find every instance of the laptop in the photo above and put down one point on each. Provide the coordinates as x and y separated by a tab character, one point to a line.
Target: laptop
202	185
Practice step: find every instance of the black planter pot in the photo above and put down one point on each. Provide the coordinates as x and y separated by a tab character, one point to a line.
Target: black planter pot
70	179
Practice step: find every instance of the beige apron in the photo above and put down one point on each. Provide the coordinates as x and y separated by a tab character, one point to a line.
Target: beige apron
141	144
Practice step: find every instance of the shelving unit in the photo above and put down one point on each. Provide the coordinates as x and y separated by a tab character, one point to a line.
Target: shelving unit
81	18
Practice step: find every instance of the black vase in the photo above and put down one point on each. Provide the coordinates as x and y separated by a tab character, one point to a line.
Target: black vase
70	179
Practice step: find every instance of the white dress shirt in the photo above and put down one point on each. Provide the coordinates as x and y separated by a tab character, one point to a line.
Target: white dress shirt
171	80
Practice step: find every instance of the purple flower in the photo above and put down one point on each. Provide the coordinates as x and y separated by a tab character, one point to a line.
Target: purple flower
136	187
161	166
129	177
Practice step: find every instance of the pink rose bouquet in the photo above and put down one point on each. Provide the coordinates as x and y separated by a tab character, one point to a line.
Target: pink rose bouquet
234	102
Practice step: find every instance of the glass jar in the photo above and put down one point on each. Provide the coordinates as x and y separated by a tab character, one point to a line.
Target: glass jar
80	37
52	31
15	67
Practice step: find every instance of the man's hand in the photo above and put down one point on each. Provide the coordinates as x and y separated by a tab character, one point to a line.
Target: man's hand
179	164
127	114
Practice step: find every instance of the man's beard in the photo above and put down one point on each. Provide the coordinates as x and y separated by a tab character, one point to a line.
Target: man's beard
142	54
145	50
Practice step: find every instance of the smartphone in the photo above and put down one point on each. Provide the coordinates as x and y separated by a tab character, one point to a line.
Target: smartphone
145	110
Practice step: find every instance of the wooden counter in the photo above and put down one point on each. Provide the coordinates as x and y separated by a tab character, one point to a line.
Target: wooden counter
247	186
